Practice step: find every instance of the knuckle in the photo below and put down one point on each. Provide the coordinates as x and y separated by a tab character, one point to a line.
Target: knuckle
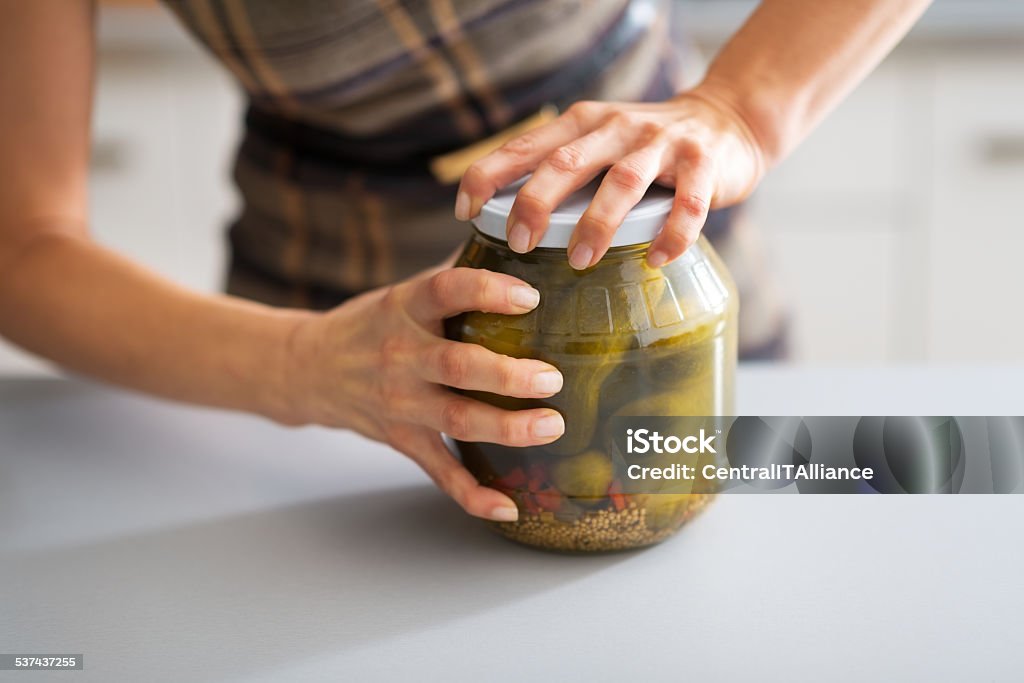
452	365
583	109
455	418
595	227
693	204
508	376
691	151
651	129
487	293
476	177
624	119
440	286
393	298
509	431
529	200
392	352
628	175
676	242
567	159
521	147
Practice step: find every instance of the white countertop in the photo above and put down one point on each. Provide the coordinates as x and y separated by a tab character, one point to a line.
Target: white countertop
171	543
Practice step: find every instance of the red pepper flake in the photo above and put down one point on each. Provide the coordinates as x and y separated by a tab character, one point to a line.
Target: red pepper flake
617	497
513	479
536	477
549	498
531	505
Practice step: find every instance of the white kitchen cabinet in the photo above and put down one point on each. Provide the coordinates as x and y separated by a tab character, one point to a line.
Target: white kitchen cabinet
860	151
843	293
837	217
918	176
160	187
976	276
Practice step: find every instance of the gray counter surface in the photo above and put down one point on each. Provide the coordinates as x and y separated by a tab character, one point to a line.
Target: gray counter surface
168	543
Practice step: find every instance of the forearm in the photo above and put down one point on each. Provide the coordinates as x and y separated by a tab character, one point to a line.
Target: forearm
68	299
794	60
92	311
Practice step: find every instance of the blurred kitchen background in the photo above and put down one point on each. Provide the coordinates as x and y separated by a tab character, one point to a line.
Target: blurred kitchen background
898	227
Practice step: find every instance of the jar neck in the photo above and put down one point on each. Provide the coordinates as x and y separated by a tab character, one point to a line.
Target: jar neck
614	256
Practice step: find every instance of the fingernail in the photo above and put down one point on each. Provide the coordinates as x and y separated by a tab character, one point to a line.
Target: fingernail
552	425
504	514
580	256
524	297
462	207
656	259
519	238
547	382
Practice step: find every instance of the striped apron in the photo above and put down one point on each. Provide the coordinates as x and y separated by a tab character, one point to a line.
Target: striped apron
349	100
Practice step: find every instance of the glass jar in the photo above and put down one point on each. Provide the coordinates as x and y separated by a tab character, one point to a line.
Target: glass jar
629	340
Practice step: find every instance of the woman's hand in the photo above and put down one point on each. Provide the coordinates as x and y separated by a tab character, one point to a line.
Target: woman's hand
379	365
694	143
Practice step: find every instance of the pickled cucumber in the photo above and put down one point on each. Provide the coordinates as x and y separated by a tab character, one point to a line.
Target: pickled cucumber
587	475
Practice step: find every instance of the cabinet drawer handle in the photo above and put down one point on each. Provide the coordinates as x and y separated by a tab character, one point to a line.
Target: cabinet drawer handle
1003	149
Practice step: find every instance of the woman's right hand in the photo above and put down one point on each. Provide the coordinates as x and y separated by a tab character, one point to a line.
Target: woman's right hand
379	365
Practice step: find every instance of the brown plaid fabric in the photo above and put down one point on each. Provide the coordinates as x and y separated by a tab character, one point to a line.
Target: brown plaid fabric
350	99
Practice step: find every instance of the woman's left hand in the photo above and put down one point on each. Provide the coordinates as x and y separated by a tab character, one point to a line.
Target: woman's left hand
694	143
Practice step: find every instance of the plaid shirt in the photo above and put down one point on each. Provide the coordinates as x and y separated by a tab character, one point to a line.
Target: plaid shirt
349	99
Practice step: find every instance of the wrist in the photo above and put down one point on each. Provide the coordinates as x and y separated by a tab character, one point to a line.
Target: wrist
756	113
286	391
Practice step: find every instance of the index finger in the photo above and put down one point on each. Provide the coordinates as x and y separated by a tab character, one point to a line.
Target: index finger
510	162
459	290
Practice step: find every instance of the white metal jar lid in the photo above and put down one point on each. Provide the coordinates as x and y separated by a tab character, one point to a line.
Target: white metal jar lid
641	225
